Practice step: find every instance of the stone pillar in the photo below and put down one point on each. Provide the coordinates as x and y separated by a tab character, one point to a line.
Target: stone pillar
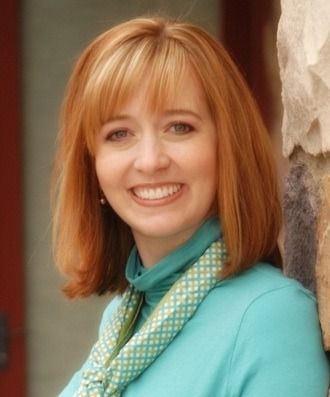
304	59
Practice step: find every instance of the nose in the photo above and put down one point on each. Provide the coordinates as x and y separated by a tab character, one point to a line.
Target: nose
151	156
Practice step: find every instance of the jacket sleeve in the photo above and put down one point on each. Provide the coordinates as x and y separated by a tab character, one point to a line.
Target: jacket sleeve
278	349
74	383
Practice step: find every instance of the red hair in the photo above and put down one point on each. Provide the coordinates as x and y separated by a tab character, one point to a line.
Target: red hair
91	244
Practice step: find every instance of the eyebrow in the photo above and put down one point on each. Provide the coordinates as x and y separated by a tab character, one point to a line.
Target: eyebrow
168	112
171	112
119	117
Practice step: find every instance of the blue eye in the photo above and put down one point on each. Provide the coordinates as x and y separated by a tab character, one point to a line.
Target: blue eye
181	128
117	135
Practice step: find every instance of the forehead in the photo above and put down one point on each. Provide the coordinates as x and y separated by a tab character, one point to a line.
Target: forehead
186	94
163	76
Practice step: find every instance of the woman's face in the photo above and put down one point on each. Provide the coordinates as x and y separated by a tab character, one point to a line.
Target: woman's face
158	171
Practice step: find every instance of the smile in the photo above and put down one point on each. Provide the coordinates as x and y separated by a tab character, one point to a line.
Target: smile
156	193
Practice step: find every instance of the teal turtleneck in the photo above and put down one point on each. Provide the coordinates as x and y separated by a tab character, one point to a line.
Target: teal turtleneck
255	334
156	281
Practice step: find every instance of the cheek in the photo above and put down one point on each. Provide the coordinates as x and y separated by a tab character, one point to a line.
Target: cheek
112	174
208	162
105	172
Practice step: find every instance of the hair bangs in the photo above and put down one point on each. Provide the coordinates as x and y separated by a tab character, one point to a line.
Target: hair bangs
170	62
155	62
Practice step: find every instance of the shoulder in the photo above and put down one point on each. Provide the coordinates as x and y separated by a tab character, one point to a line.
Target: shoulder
263	288
109	312
260	301
271	303
277	334
262	282
264	301
265	278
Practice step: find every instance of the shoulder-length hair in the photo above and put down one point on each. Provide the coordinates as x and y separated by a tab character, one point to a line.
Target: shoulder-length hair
91	243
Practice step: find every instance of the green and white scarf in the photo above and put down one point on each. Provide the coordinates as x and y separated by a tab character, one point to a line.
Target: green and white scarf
118	358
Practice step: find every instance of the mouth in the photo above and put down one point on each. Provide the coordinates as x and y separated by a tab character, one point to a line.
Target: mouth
156	193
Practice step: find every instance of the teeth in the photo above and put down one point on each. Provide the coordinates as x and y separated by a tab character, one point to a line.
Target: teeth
156	193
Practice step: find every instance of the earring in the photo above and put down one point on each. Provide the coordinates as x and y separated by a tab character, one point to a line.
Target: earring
103	200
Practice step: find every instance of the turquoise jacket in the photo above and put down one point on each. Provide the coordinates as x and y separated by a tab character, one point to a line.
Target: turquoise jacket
255	335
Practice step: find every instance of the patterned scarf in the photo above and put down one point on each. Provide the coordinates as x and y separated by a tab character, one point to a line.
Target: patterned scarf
118	358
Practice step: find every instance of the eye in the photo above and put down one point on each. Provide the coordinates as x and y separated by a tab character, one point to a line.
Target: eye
181	128
117	135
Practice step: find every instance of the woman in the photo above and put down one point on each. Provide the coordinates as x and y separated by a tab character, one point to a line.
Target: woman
166	196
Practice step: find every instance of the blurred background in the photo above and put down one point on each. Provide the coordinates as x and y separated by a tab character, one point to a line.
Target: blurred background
44	337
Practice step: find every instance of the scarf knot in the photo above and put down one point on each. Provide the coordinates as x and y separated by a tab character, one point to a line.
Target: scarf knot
94	381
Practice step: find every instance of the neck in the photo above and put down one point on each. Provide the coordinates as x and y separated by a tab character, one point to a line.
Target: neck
153	249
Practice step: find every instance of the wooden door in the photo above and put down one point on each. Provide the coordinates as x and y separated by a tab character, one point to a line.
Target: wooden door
12	336
243	32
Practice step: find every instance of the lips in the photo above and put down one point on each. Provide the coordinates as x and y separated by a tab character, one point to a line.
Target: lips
156	193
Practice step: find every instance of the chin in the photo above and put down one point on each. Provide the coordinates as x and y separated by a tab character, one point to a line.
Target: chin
163	229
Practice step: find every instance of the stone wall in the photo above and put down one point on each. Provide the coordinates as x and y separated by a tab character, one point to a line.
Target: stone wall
304	58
